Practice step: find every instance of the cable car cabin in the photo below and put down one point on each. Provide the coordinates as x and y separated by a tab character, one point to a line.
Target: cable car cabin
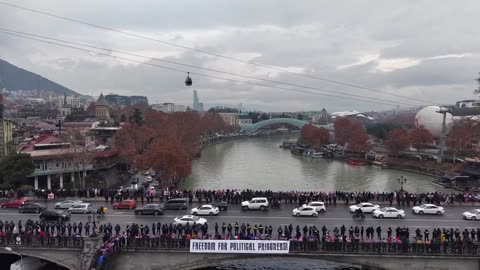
188	80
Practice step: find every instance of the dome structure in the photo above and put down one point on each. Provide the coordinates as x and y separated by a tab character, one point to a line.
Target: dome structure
431	120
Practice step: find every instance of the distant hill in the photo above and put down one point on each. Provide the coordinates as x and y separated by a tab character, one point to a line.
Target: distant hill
14	78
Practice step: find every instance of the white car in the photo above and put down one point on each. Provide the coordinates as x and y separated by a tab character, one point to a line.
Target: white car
365	206
388	212
472	214
305	210
319	206
260	203
189	219
82	208
207	210
149	179
428	209
67	204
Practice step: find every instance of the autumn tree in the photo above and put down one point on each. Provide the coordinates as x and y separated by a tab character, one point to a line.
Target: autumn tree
461	136
314	136
420	138
342	129
359	140
397	141
169	159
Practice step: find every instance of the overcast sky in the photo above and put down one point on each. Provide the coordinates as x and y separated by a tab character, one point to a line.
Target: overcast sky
427	50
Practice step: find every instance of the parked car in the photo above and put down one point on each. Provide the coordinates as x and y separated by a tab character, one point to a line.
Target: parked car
472	214
81	208
31	208
365	206
149	179
388	212
205	210
319	206
150	209
13	203
134	181
260	203
222	205
67	204
176	204
56	215
305	210
126	204
428	209
189	219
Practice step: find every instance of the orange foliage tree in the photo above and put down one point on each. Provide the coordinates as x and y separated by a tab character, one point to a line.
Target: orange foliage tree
166	142
314	136
397	141
359	140
420	137
461	136
342	129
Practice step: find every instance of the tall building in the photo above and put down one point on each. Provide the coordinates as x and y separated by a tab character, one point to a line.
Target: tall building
101	109
197	106
2	131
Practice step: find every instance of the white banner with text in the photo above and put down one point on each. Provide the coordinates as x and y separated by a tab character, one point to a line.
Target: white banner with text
239	246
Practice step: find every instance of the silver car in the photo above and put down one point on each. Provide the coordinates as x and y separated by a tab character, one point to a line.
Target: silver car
67	204
82	208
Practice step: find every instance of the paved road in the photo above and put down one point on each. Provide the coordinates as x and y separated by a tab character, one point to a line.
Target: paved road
335	216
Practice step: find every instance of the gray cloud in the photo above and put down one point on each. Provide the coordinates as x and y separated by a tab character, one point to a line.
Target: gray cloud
397	47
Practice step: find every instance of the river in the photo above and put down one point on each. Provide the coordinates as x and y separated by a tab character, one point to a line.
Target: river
259	163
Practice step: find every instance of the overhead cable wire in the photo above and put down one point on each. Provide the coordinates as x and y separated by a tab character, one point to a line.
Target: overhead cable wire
198	67
207	52
201	74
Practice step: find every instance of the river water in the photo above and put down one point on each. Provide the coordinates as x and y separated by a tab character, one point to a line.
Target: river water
282	264
259	163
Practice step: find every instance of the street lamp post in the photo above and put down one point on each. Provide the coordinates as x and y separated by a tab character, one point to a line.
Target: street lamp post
9	249
402	180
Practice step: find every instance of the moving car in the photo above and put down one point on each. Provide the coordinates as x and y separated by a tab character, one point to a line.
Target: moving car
13	203
176	204
126	204
189	219
260	203
67	204
319	206
472	214
305	210
365	206
81	208
56	215
150	209
32	208
428	209
388	212
222	205
207	210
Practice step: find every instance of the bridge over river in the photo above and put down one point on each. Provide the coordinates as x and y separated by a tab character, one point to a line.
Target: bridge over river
176	254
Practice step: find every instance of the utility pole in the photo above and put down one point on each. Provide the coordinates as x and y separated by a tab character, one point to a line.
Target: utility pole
444	111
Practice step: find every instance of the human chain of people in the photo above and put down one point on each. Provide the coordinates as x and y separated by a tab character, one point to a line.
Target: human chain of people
236	195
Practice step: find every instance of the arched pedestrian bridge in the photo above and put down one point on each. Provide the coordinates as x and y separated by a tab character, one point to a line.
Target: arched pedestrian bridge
250	128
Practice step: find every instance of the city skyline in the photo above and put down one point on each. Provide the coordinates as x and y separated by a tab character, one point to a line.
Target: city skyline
383	53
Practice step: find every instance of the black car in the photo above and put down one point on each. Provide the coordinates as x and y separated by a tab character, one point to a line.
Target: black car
222	205
54	216
134	181
32	208
150	209
176	204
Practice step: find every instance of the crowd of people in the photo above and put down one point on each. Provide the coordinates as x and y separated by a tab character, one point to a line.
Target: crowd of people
236	196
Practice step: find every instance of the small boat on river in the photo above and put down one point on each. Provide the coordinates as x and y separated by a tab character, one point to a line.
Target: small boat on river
355	162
